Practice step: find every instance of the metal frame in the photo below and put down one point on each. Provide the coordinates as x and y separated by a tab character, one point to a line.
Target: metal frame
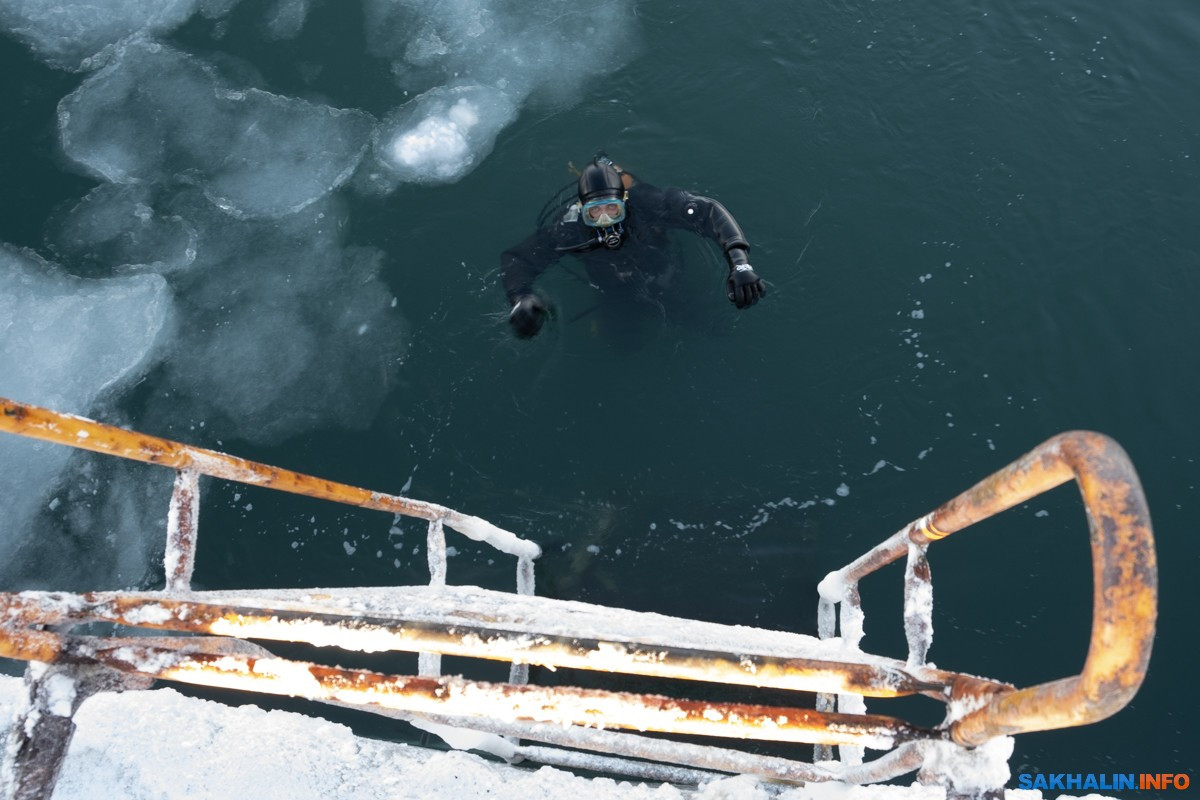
524	629
1125	585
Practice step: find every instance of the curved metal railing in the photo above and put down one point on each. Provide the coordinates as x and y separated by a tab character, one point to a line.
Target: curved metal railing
1124	594
51	426
525	629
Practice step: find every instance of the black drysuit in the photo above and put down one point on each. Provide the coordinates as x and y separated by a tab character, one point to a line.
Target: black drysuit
637	262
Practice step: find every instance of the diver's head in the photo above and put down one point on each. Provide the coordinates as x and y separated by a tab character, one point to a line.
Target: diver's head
601	194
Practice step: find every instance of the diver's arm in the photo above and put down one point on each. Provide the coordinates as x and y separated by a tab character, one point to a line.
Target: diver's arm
708	218
521	264
712	220
519	268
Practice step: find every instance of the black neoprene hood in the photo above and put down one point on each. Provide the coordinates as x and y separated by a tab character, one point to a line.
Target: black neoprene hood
599	181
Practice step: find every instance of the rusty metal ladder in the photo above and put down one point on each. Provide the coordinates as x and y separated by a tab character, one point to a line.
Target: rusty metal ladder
206	640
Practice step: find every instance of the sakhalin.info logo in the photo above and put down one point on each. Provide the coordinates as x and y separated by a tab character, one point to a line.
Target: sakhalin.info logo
1116	781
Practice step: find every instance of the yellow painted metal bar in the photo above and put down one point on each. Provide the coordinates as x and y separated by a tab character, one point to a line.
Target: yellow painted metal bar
561	705
74	431
1125	588
377	632
1125	578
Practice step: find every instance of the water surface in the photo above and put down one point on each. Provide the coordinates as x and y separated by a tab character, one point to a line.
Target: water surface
978	227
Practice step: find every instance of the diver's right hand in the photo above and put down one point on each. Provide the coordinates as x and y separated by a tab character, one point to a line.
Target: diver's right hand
527	316
744	286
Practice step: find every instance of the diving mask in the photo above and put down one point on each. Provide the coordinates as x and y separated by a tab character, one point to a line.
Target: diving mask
603	213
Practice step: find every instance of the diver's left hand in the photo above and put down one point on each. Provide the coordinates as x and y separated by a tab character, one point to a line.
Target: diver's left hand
745	287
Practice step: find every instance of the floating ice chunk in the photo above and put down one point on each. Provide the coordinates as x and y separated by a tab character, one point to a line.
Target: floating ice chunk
498	56
422	31
155	113
63	341
216	9
425	49
285	154
442	135
116	229
269	341
286	17
65	34
543	47
438	140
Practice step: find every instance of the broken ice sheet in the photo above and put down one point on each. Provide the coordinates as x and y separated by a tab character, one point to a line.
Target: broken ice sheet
286	18
439	136
156	114
63	342
282	329
116	229
67	33
470	66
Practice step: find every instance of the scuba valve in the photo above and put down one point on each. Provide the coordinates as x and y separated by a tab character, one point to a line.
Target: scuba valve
611	237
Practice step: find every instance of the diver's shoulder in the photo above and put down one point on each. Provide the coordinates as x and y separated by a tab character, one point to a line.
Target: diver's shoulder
640	190
567	225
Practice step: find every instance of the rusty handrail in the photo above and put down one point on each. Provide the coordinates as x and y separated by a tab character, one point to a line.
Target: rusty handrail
233	666
1124	573
68	429
472	633
1125	597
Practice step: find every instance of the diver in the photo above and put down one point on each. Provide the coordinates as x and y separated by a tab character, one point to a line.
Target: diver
617	226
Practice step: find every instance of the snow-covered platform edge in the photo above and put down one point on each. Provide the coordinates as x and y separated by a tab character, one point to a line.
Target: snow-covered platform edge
161	745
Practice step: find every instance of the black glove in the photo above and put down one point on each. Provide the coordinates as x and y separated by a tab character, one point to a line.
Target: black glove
744	286
527	316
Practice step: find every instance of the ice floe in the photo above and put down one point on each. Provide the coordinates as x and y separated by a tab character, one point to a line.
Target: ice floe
156	115
63	342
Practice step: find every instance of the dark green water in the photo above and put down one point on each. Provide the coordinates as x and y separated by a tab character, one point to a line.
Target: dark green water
978	224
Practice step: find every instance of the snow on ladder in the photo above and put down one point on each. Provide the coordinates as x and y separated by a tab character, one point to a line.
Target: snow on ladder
524	629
